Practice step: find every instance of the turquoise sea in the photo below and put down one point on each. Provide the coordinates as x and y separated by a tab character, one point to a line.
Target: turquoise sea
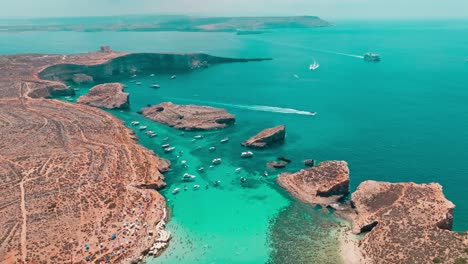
403	119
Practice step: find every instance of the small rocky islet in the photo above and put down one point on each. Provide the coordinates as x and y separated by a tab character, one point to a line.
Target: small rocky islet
402	222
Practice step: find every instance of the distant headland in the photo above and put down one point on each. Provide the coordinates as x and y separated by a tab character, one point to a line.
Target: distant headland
244	25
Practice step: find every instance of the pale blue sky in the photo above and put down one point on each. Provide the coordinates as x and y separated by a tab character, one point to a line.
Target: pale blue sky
328	9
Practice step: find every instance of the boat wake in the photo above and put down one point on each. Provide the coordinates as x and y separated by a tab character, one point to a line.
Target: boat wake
263	108
340	53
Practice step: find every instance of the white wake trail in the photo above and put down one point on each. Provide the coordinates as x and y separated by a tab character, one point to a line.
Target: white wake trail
263	108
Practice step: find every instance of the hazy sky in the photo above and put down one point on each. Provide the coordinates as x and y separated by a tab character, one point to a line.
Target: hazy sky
328	9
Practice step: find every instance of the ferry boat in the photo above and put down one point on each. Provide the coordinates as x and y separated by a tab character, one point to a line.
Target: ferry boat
246	154
374	57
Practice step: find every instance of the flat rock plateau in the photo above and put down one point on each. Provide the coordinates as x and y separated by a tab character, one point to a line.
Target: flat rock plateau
189	117
108	95
72	175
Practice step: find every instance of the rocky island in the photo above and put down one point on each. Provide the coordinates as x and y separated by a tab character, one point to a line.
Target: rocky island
324	184
180	23
75	184
401	222
189	117
267	138
109	96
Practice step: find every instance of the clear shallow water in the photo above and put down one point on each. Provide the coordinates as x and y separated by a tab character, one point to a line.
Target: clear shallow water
403	119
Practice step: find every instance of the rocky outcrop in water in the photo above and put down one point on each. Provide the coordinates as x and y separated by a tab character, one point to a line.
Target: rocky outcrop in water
277	164
407	223
324	184
189	117
267	138
109	96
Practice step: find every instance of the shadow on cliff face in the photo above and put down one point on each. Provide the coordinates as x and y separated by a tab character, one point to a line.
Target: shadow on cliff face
127	65
303	234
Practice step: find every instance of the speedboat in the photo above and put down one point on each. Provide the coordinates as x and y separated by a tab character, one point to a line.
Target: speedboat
373	57
212	149
217	161
155	86
170	149
165	146
201	169
198	137
238	170
138	83
314	66
224	140
246	154
142	127
149	132
265	173
135	123
173	77
176	190
188	177
196	187
152	135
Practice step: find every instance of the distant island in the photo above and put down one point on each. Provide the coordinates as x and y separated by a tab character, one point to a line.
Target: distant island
166	23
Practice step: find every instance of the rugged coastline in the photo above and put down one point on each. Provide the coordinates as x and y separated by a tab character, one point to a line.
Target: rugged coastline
401	222
83	188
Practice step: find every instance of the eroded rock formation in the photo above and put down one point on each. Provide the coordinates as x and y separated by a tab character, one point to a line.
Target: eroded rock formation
80	78
267	137
408	223
324	184
109	95
189	117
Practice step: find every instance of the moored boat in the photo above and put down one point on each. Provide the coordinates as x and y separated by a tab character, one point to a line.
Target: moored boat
217	161
156	86
173	77
246	154
224	140
142	127
169	149
188	177
176	190
135	123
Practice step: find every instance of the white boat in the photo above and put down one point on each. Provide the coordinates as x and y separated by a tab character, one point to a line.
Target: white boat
166	139
201	169
165	146
135	123
69	99
149	132
152	135
173	77
155	86
142	127
188	177
170	149
238	170
217	183
176	190
198	137
296	76
212	149
134	76
314	66
265	173
224	140
152	75
196	186
246	154
138	83
217	161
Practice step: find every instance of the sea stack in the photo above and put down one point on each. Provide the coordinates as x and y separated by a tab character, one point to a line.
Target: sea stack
266	138
189	117
109	96
324	184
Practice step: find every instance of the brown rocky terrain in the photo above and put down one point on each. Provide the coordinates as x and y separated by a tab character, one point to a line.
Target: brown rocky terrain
189	117
408	223
266	137
324	184
72	175
109	95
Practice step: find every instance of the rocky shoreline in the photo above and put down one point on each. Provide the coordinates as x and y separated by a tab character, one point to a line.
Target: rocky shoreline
401	222
84	190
